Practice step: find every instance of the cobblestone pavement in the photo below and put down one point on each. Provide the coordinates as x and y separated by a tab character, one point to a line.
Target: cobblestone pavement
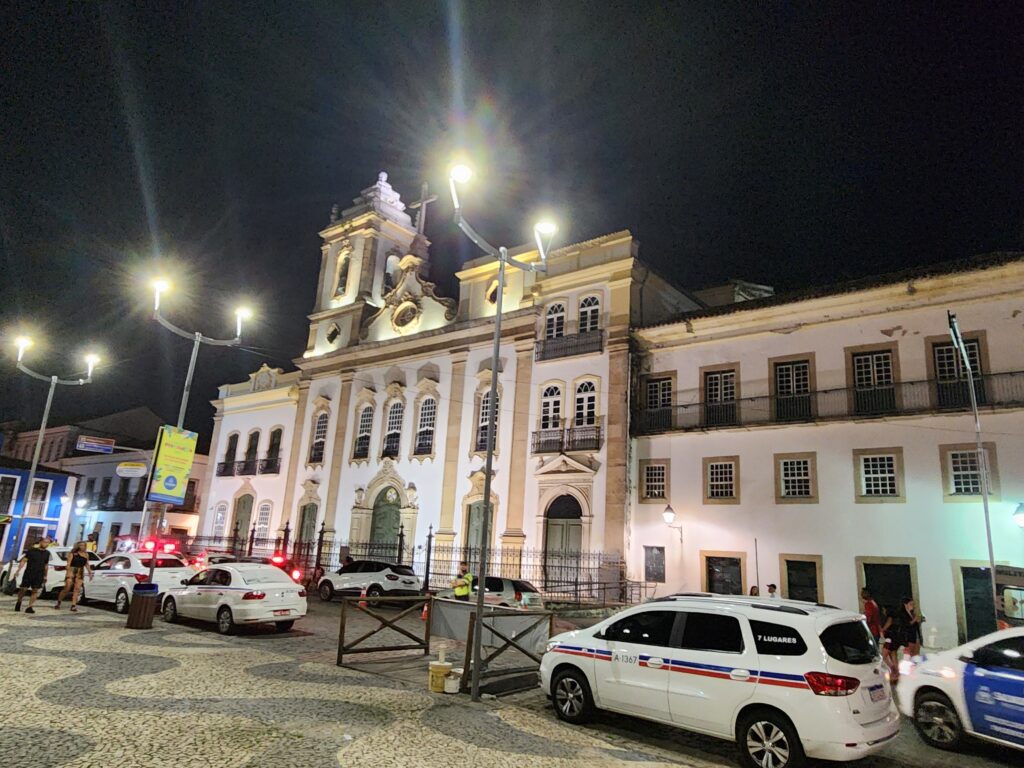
81	691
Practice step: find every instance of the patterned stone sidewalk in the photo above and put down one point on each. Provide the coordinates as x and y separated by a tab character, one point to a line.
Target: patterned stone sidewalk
83	692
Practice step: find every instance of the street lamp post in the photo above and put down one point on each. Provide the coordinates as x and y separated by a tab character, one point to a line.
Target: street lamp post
543	232
161	287
91	360
669	516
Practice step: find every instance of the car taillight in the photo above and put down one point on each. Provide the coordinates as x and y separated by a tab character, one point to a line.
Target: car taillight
254	595
824	684
142	578
297	575
60	567
302	593
277	559
519	596
149	545
391	577
168	547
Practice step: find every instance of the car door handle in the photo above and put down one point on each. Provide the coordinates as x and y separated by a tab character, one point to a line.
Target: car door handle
655	663
221	594
740	674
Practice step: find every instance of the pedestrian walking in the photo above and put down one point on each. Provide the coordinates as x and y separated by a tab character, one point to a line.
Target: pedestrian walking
755	592
463	583
78	566
773	592
873	614
908	627
36	562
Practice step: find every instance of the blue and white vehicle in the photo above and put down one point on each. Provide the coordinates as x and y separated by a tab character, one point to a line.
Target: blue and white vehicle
782	678
976	689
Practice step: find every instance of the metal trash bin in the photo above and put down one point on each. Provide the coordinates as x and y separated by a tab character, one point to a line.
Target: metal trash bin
142	606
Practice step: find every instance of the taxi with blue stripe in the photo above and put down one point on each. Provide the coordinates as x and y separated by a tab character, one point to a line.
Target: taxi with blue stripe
786	680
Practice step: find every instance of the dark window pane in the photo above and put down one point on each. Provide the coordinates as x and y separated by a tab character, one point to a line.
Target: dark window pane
712	632
850	642
1006	654
777	639
724	575
494	584
645	628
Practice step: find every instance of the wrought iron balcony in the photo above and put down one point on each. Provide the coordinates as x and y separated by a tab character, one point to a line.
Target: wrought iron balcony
584	438
548	440
567	346
225	468
996	390
270	466
246	467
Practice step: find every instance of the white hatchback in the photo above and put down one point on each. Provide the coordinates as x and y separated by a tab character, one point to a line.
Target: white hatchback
975	689
374	577
782	678
237	593
115	577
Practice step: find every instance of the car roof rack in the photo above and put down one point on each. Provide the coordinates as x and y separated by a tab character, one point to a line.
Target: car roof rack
736	600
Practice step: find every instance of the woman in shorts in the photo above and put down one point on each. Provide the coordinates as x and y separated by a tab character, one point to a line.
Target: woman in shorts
78	566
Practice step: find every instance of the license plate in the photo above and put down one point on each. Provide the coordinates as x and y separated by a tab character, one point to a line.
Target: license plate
877	693
286	611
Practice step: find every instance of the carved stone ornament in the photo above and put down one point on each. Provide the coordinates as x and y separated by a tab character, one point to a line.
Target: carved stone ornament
263	379
412	495
359	496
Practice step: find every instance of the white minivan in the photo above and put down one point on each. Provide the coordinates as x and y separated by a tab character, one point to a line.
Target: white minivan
784	679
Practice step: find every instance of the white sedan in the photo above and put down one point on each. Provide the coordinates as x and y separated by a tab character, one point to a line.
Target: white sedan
976	689
237	593
115	577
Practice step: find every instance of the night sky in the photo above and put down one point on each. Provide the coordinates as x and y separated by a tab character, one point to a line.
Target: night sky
793	144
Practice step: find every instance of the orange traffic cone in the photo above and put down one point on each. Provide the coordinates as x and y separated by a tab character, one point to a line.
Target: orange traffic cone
362	599
426	611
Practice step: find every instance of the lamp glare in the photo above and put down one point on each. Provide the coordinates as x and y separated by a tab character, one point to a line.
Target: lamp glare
461	174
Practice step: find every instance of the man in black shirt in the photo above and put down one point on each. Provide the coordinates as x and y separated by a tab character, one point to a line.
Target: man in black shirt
36	562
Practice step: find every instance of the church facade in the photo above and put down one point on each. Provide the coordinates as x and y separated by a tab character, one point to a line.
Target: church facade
382	427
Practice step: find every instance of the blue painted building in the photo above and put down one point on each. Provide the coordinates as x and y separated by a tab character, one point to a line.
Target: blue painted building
48	510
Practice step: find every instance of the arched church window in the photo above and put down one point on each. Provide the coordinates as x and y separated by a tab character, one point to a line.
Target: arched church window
316	449
361	449
484	420
344	263
425	428
590	314
551	408
554	322
393	430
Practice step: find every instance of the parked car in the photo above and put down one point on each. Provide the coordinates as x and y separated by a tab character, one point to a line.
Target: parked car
57	571
782	678
976	689
508	593
207	558
115	576
377	578
286	564
237	593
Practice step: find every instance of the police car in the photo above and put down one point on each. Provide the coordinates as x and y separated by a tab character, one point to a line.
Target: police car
976	689
784	679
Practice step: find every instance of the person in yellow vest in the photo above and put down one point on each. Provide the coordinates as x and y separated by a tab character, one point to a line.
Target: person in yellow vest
463	583
90	541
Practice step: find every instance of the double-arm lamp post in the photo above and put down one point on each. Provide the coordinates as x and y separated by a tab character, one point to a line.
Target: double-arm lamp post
160	287
91	361
543	233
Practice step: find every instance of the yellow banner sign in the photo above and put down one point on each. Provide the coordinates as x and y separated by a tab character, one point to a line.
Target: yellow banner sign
172	464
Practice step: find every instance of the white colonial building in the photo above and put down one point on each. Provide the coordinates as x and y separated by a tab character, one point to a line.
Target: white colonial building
383	424
825	442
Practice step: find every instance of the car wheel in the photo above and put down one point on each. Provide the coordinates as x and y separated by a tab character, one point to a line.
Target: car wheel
768	740
121	601
225	621
326	591
170	610
285	626
571	694
936	720
375	591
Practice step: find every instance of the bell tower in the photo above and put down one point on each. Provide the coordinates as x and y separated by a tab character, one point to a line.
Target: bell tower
362	248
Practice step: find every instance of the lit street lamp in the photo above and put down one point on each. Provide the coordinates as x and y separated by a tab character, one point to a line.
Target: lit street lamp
543	233
91	361
160	287
669	516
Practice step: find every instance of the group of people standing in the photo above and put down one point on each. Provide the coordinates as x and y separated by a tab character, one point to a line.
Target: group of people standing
895	629
36	564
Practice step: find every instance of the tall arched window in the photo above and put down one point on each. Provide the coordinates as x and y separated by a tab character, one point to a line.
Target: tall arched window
220	520
253	446
551	408
425	427
274	450
316	449
484	420
554	322
361	449
341	286
232	450
586	404
590	314
263	520
393	430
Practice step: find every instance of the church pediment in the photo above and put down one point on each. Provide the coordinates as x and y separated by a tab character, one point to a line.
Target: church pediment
564	465
411	306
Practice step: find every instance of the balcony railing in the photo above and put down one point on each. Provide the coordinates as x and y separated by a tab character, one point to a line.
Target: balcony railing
996	390
246	467
225	468
567	346
582	438
271	466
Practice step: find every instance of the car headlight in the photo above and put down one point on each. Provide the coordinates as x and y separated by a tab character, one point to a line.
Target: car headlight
552	644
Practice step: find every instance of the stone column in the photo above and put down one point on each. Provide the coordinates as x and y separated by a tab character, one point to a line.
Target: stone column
211	472
337	455
294	457
453	433
513	536
616	442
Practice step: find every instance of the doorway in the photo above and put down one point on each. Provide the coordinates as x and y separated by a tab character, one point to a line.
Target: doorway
563	541
307	523
802	578
889	583
243	516
723	575
979	612
386	519
474	525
